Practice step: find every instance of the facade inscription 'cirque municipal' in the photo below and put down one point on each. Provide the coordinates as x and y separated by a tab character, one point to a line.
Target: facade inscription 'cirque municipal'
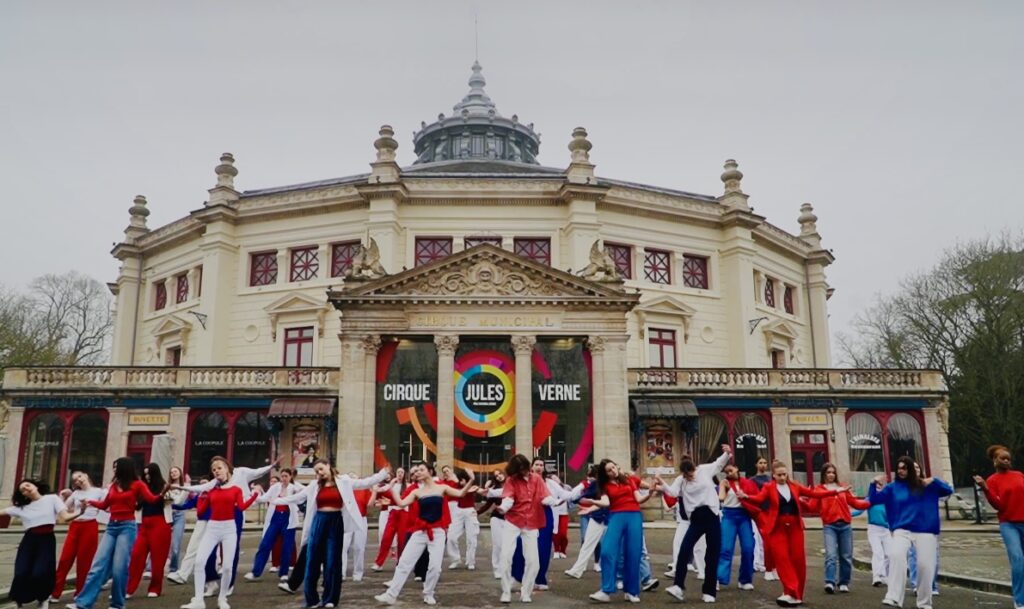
525	321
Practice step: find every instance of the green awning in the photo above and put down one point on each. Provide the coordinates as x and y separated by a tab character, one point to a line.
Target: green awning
664	408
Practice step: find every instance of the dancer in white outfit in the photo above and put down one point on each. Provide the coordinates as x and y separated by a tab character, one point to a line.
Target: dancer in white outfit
464	520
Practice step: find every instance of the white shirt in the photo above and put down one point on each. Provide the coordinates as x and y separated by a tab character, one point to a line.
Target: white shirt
702	490
240	477
78	500
731	500
351	516
41	512
274	492
784	491
558	492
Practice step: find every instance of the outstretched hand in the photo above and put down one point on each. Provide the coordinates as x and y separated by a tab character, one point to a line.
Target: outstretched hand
981	482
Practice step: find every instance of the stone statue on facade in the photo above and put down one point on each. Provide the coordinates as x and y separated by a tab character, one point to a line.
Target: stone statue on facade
600	263
366	262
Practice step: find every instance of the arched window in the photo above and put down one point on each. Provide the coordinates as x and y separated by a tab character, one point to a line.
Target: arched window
867	450
45	436
209	438
713	433
751	442
253	440
88	446
904	439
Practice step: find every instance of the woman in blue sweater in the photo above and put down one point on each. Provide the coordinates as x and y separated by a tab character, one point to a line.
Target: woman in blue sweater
912	509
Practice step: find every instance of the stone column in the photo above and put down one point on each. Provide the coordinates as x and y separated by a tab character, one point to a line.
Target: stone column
610	394
356	399
523	346
12	432
780	435
117	435
841	447
179	429
817	307
446	345
129	307
936	435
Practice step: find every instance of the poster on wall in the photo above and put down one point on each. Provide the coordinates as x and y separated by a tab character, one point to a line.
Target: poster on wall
660	449
406	413
305	447
485	404
563	426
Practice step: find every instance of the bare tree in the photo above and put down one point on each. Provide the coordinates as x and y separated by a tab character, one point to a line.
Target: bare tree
75	311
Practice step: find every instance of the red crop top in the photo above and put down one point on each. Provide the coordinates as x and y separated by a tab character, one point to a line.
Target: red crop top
121	503
223	501
328	498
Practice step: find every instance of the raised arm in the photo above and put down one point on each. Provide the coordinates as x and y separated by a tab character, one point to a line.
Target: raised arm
371	481
297	498
198	488
939	487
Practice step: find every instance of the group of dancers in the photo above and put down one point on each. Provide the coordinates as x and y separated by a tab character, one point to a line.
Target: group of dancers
424	516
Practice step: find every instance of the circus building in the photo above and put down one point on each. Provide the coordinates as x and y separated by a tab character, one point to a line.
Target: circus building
465	307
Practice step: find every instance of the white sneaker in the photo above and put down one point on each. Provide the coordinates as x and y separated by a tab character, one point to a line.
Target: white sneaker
597	567
844	588
222	603
250	577
74	606
786	600
525	599
671	574
385	599
375	567
357	578
746	586
618	585
771	576
147	575
429	600
329	606
506	597
273	568
700	576
707	598
471	567
152	595
632	599
675	592
212	588
600	597
455	565
175	578
196	603
284	588
541	587
573	574
888	602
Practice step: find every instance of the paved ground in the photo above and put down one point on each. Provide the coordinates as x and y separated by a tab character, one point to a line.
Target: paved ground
970	552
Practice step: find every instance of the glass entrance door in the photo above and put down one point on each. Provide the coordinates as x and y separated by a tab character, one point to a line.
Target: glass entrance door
808	453
140	448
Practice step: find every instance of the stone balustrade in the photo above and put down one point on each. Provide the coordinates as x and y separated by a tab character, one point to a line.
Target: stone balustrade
786	379
145	377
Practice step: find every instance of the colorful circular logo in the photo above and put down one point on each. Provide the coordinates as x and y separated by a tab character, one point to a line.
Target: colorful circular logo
485	394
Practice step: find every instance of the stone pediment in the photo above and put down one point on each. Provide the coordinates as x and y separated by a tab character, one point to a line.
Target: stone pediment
484	273
172	327
667	304
781	331
296	303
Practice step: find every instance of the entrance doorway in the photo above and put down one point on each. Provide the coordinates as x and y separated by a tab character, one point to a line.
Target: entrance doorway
808	452
140	449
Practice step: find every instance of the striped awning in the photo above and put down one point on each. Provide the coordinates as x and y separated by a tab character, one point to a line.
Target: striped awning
291	408
664	408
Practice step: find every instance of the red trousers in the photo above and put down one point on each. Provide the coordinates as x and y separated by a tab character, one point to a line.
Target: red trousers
79	548
154	540
786	542
561	536
769	562
395	526
275	553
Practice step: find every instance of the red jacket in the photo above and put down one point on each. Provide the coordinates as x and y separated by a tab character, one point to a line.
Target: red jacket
749	487
770	493
1006	493
837	509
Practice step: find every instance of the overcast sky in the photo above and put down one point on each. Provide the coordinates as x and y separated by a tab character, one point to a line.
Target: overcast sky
902	122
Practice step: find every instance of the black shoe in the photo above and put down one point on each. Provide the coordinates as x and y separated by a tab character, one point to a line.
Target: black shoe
650	584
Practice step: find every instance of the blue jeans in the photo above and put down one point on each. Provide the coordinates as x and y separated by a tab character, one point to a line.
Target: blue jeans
111	560
912	566
278	527
624	536
736	523
838	549
645	564
1013	537
323	551
177	532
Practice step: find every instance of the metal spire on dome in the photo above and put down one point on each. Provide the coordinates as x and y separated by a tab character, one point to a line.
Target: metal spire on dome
476	102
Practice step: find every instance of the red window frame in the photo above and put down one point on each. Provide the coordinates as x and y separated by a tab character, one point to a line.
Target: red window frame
787	299
342	255
769	292
231	418
181	288
432	249
883	416
68	418
622	256
732	417
160	296
305	263
658	266
469	242
695	272
263	268
537	249
301	338
662	339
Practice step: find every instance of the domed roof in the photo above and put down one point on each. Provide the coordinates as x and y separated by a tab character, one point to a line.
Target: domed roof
476	130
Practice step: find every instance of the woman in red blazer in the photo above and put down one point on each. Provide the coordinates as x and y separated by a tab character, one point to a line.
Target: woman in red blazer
785	529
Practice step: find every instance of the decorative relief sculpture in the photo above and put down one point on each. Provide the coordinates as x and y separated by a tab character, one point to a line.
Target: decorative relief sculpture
523	343
601	263
482	278
446	344
366	262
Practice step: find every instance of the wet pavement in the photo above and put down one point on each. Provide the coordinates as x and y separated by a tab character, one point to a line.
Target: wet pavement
971	553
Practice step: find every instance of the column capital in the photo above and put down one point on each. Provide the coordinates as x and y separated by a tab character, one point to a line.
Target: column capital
596	344
370	344
446	343
523	344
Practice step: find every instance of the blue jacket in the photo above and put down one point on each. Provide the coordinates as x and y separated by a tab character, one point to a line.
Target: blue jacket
914	512
876	515
601	515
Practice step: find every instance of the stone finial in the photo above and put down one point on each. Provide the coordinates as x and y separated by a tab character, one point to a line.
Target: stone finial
226	171
733	197
385	169
137	215
809	225
581	170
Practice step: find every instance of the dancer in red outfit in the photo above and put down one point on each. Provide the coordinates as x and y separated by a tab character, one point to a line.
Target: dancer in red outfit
785	529
154	538
395	523
83	534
